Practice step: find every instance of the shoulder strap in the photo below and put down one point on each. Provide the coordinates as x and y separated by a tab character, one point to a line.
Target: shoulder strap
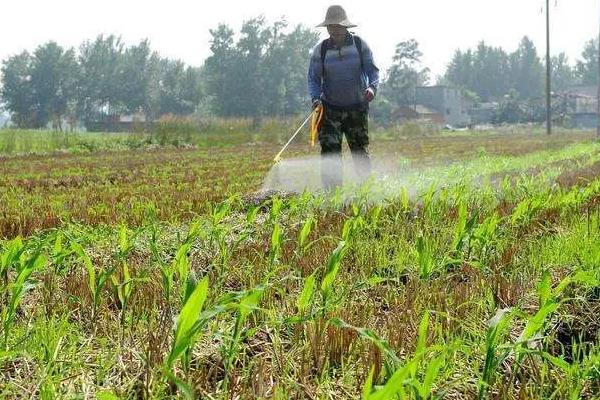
358	44
324	46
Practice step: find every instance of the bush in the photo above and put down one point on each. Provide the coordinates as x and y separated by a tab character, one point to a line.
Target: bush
174	130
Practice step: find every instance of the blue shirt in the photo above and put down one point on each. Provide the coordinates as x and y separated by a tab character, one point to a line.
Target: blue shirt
344	83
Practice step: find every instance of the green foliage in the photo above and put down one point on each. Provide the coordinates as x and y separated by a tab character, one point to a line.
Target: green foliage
187	326
18	288
252	327
586	68
490	72
404	75
96	282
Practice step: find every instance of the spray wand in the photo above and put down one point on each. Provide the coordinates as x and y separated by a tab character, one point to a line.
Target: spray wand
317	118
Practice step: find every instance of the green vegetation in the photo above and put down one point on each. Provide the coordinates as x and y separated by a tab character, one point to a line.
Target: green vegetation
259	71
473	272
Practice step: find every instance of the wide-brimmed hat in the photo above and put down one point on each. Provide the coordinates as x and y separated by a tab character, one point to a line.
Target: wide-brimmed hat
336	15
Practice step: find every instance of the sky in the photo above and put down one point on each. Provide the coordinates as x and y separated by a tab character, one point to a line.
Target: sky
180	28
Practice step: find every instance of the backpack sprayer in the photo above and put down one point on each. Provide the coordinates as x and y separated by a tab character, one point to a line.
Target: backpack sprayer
317	118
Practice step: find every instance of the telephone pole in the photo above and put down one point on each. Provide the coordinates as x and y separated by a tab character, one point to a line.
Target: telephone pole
548	73
598	99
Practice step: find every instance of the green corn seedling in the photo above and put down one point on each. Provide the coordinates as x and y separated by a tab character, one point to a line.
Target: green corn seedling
425	257
123	288
404	199
276	209
405	377
333	266
304	233
95	282
276	245
10	257
245	307
495	352
181	265
392	362
166	269
305	299
17	290
187	326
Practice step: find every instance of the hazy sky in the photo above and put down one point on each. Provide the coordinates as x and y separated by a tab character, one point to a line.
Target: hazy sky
179	28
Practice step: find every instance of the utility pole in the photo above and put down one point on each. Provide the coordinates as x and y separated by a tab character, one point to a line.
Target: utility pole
548	73
598	99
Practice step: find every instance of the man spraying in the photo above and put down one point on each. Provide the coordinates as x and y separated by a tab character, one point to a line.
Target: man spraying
343	79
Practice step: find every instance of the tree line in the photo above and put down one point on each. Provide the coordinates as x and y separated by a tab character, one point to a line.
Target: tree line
491	73
259	71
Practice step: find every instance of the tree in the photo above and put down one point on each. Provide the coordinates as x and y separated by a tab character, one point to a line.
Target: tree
134	76
461	70
586	69
101	65
17	91
179	88
42	87
563	75
484	71
296	47
219	70
527	71
263	73
54	82
405	75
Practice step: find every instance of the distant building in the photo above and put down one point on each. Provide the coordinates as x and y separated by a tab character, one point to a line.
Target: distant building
119	123
420	112
445	101
585	99
483	113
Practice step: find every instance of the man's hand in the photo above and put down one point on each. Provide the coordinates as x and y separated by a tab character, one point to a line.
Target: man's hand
369	94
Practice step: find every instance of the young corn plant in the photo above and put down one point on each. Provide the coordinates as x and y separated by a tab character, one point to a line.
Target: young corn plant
181	266
188	325
404	199
550	300
425	258
96	282
392	362
166	269
305	299
485	236
245	307
496	351
331	271
124	285
462	236
404	382
8	259
276	209
59	252
276	247
18	288
527	209
303	236
219	239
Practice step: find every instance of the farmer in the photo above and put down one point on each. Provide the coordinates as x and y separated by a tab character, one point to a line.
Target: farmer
343	78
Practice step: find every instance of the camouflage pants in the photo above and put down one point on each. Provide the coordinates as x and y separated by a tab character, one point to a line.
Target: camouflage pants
355	126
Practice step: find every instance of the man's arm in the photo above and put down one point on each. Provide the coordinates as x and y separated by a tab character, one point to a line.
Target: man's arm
315	75
370	69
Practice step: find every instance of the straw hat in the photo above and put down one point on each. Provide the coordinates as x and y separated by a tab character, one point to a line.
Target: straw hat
336	15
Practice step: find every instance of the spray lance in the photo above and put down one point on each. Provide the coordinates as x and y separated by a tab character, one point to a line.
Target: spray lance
317	118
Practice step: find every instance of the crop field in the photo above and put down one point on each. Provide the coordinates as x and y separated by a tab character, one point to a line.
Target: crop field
132	269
